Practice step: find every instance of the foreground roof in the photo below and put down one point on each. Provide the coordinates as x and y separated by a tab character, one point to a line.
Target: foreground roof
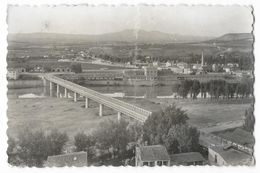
186	158
154	153
240	136
71	159
233	156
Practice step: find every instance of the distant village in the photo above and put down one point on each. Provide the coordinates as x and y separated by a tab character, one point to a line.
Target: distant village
148	71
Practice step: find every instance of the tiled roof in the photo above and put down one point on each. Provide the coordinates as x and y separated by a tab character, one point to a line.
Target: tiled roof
154	153
186	158
77	159
233	156
239	136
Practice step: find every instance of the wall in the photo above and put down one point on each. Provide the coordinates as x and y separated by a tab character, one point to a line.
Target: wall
211	158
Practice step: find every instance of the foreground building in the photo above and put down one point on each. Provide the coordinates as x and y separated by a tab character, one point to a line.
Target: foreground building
154	155
157	155
228	155
77	159
187	159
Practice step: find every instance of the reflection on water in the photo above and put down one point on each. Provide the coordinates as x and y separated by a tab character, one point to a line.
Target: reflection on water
148	92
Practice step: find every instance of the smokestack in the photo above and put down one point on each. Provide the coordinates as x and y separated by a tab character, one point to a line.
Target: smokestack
202	59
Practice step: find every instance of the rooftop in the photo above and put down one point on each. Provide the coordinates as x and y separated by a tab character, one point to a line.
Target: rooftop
154	153
233	156
239	136
77	159
186	158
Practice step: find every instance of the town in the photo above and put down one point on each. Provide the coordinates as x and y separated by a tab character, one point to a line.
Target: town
80	100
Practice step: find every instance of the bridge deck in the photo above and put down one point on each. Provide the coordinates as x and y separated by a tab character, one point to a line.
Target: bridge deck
118	105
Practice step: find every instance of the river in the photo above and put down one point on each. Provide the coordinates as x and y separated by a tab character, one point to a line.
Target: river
127	91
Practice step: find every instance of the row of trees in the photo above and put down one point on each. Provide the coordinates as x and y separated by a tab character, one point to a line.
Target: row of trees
215	88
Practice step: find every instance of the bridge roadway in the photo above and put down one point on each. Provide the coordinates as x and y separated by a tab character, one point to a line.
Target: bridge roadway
121	107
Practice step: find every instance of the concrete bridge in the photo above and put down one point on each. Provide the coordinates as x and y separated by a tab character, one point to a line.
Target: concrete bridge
121	107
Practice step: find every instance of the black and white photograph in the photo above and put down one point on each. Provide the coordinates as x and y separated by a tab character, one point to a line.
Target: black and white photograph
130	85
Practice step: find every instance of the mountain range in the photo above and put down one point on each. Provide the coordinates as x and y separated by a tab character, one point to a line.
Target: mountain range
127	36
140	36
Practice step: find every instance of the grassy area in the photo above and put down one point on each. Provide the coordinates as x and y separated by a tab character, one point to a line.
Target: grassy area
48	113
66	115
211	116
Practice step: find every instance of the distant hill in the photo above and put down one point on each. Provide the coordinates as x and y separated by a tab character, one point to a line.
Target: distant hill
140	36
233	37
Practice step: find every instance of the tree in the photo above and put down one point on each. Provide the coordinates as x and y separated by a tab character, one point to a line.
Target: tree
249	121
180	134
84	142
195	89
136	131
76	67
157	125
113	135
170	128
33	148
184	88
55	142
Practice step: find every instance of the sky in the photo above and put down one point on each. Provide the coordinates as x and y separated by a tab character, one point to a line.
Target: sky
84	19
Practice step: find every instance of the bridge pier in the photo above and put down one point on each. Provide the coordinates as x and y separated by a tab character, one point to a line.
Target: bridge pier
119	114
86	102
65	93
101	110
58	91
51	85
44	82
75	97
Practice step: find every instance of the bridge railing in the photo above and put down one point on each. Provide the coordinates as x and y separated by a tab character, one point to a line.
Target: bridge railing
75	87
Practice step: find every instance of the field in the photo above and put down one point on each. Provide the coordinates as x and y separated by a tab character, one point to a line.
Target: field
66	115
49	113
211	117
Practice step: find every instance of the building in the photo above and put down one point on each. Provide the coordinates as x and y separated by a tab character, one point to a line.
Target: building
239	138
61	69
168	64
77	159
187	71
146	73
38	69
150	72
182	65
217	68
154	155
176	69
14	73
227	69
186	159
228	155
134	74
102	75
156	63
